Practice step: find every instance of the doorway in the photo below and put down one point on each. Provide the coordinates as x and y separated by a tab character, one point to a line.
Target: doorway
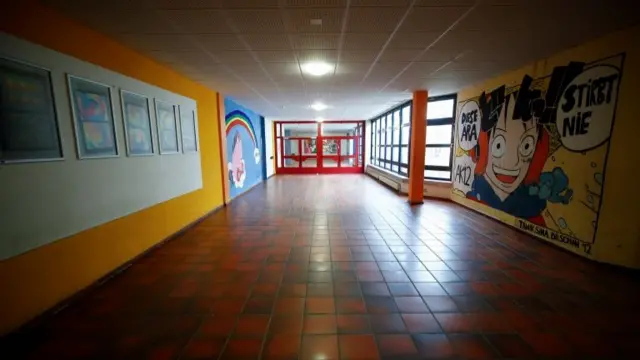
331	147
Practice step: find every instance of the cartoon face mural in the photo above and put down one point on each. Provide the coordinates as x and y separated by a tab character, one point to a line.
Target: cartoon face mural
536	153
242	132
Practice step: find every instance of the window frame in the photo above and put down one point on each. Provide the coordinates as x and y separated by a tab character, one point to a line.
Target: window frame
442	121
378	152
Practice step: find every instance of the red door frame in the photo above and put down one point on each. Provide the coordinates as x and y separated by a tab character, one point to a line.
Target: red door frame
359	139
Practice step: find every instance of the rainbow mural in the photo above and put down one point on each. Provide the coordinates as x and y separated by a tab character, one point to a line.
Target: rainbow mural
242	127
238	118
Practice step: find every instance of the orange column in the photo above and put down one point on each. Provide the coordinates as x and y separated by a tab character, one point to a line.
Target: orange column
417	147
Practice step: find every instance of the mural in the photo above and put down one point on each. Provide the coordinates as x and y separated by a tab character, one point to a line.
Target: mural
243	147
536	153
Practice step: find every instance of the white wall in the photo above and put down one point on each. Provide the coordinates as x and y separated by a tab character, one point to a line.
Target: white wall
43	202
268	146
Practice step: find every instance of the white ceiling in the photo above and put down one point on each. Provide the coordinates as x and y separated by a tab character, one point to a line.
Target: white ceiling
383	49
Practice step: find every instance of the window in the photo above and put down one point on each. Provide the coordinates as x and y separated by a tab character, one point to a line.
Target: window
390	139
440	117
391	135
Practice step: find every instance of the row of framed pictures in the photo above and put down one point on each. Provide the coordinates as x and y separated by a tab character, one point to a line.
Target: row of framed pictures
29	124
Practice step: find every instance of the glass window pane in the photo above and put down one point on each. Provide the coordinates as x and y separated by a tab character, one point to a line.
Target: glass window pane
406	114
388	130
438	156
404	155
387	154
394	168
394	154
440	109
406	134
440	134
396	127
444	175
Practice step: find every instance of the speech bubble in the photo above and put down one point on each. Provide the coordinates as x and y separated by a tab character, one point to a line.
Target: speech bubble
468	125
585	111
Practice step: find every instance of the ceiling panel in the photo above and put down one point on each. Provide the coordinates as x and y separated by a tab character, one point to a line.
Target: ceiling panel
257	21
316	41
252	49
249	4
267	41
374	19
175	4
276	55
300	20
366	56
219	42
200	21
428	19
416	41
315	3
145	42
365	41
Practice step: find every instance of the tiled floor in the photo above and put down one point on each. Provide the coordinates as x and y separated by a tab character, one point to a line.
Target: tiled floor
339	267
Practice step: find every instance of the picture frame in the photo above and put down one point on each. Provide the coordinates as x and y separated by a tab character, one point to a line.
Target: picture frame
93	118
189	131
167	128
29	123
136	115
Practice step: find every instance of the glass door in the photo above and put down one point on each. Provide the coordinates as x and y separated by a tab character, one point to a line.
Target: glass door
315	148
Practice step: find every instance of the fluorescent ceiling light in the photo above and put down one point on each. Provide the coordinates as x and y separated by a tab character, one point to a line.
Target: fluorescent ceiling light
317	68
318	106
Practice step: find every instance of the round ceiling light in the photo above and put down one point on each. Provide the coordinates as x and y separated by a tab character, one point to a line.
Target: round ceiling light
317	68
318	106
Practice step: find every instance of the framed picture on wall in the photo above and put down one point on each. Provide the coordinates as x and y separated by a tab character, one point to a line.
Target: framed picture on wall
28	121
137	123
167	127
92	110
188	130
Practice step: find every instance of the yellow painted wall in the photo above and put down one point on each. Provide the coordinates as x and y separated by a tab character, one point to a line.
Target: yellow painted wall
37	280
617	239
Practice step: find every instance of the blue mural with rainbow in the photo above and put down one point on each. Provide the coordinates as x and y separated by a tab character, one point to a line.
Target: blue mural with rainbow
244	147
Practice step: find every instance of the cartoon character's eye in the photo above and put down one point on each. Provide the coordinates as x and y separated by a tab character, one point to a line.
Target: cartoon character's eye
527	145
498	146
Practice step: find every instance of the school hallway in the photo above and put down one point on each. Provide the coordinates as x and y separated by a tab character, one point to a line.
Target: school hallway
340	267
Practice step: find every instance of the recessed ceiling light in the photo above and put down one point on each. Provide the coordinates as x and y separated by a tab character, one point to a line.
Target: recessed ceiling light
318	106
317	68
319	119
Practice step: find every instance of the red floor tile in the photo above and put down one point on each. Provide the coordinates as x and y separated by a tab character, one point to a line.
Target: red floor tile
353	324
319	347
282	347
421	323
355	347
336	266
320	324
397	346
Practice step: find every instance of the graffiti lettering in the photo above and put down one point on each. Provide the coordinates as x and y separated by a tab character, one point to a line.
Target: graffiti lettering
552	235
577	124
463	175
469	132
586	108
598	92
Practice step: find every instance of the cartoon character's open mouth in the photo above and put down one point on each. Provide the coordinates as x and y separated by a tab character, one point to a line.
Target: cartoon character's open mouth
505	175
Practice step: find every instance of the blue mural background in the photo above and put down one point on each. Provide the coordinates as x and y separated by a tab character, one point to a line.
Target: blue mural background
243	130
